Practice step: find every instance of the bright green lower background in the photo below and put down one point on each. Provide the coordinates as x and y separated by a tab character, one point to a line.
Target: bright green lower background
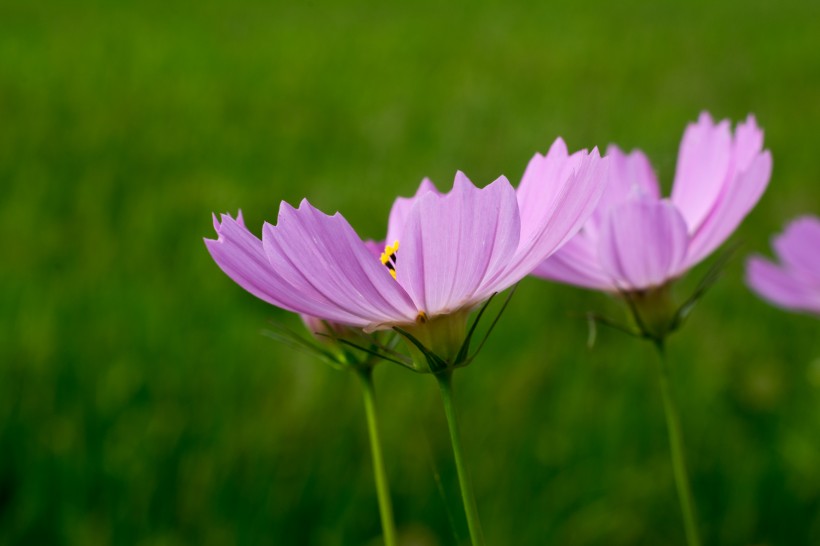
139	403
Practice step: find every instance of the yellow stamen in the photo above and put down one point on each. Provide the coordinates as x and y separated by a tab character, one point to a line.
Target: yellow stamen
422	317
388	257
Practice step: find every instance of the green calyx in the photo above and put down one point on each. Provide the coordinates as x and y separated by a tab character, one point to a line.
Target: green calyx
653	311
435	343
442	343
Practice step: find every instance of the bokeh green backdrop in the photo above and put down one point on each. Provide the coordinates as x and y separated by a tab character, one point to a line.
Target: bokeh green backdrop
139	402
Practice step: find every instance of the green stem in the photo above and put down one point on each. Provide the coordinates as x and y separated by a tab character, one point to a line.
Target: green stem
676	447
382	489
468	498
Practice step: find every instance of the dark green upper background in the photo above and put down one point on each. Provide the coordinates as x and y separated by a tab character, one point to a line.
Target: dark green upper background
139	403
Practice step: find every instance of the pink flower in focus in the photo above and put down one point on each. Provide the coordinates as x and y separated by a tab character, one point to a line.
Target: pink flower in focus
457	249
637	240
795	283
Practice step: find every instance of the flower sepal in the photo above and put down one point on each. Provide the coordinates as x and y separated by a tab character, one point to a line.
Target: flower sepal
653	313
435	344
441	344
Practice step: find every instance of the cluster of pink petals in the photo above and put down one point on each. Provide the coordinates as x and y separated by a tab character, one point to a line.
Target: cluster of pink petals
637	240
795	284
456	249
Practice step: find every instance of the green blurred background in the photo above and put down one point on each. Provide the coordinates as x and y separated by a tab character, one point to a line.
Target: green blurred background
139	401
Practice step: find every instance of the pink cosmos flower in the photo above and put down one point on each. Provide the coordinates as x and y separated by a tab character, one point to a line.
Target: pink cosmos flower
446	252
637	240
795	284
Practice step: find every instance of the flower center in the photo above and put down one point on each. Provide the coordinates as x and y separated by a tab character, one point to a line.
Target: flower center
388	257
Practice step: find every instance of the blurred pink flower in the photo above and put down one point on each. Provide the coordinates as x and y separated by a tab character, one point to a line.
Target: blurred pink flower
636	240
795	284
457	249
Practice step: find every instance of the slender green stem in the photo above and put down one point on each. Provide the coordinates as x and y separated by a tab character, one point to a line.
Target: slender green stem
382	489
676	447
445	383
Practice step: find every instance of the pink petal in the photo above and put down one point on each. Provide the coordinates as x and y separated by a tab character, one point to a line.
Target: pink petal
703	166
748	143
241	256
401	208
559	196
799	248
630	176
778	286
576	263
323	259
374	247
642	243
452	242
540	184
738	197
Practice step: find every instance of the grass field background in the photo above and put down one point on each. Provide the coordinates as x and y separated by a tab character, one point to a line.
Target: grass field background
139	401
